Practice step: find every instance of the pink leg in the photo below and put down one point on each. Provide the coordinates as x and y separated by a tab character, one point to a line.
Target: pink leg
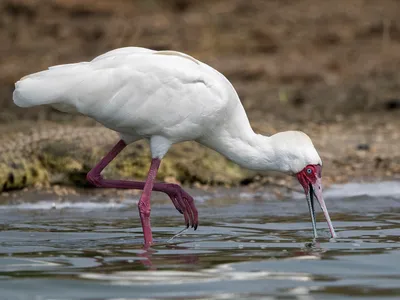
144	202
182	201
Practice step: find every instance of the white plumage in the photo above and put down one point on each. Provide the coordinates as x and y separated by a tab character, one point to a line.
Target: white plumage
168	97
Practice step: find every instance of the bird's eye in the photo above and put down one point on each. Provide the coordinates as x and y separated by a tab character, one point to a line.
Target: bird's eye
309	171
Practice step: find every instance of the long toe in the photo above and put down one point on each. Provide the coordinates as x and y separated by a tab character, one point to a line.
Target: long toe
177	205
185	209
184	203
189	211
186	213
192	208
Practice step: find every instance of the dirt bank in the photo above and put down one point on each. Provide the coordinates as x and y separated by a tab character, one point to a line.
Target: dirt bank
327	68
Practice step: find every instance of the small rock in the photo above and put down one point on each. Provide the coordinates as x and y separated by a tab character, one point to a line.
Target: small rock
392	104
363	147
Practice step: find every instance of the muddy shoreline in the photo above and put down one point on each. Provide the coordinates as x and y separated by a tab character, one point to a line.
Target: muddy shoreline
330	70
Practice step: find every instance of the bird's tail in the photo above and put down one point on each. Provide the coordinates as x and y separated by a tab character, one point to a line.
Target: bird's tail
50	86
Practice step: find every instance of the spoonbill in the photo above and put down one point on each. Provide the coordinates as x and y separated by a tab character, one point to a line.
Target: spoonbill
167	97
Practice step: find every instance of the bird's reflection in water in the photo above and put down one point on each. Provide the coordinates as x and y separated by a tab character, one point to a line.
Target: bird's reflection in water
150	259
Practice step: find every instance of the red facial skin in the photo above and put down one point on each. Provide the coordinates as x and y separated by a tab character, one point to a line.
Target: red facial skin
311	176
307	177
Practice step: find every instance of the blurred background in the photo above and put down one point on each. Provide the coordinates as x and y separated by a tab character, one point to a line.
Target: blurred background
325	59
330	68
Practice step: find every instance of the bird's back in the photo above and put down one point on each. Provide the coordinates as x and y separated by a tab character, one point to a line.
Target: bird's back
136	91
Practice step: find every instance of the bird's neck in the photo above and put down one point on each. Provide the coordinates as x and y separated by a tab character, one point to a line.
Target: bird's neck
249	150
236	140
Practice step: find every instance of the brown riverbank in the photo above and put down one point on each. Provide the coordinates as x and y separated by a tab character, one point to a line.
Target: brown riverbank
329	69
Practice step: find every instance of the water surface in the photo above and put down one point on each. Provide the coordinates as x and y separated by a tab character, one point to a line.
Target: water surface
247	247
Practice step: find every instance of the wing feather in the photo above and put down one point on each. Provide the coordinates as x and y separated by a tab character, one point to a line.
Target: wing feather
135	90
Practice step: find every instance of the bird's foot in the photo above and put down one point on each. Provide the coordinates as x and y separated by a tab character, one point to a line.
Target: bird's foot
184	203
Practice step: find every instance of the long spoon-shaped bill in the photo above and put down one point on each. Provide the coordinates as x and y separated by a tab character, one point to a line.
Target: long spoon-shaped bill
310	202
316	190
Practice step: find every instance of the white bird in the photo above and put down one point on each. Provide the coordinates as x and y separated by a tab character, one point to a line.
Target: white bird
167	97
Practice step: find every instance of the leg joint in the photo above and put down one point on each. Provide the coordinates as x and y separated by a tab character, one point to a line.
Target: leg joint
95	179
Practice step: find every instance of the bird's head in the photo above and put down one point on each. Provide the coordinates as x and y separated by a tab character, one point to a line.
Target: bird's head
299	157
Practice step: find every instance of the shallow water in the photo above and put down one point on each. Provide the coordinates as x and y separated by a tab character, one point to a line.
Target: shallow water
247	247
